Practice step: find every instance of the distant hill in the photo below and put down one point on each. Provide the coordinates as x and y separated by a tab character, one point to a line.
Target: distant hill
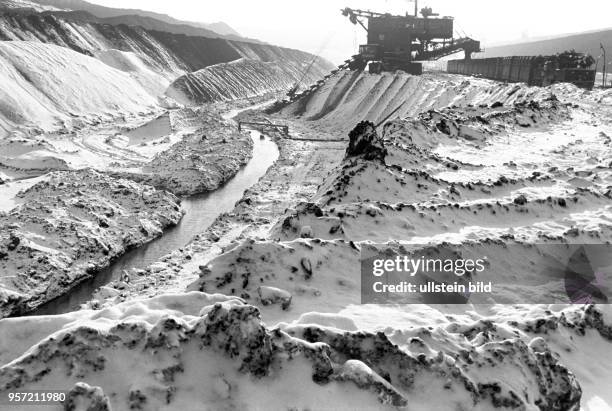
582	42
148	23
219	28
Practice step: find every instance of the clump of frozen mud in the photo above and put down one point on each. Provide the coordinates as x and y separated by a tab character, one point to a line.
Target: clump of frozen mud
186	350
70	225
364	142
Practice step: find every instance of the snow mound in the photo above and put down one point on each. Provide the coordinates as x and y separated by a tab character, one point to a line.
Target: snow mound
43	85
131	357
349	97
317	275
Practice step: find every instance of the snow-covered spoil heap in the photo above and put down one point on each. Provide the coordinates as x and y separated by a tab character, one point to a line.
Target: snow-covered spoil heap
349	97
70	225
241	79
42	85
167	53
183	351
145	61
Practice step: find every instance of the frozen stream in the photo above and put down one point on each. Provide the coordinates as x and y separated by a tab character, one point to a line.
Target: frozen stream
201	212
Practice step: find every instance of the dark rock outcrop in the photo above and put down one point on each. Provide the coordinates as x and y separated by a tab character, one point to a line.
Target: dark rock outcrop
365	142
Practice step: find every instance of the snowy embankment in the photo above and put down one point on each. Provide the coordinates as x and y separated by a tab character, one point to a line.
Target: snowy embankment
150	59
427	180
68	226
182	351
167	55
349	97
239	79
43	86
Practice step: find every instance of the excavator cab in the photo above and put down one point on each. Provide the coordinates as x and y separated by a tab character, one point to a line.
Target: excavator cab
400	42
375	67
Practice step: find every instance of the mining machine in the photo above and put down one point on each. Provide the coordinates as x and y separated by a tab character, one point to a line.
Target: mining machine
400	42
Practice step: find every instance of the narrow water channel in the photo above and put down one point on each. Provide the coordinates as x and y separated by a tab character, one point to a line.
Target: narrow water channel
201	211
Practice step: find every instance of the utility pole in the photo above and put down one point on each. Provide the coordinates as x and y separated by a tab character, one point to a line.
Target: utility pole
416	7
604	64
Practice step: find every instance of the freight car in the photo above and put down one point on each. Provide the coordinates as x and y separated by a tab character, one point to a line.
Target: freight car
568	67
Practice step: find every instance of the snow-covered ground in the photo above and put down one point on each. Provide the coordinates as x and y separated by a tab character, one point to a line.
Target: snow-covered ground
262	309
65	108
239	79
508	170
69	225
44	86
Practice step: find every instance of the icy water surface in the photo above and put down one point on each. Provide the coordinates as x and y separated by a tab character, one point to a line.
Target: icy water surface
201	212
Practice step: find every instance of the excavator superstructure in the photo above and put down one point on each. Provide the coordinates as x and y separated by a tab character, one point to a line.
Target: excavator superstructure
400	42
393	43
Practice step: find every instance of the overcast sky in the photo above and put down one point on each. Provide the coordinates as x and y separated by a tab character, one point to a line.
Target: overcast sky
317	25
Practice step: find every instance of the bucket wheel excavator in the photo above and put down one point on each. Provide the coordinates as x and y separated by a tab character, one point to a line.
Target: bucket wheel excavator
394	43
400	42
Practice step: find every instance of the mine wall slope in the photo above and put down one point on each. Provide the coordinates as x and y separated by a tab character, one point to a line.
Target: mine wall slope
39	88
166	52
153	59
348	97
238	79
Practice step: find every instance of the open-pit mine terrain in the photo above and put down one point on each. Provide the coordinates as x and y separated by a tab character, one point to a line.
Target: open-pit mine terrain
176	236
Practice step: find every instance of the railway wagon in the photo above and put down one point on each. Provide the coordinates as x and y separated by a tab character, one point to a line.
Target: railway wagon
533	70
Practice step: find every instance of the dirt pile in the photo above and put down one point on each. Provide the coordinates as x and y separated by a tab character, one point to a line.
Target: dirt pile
70	225
146	62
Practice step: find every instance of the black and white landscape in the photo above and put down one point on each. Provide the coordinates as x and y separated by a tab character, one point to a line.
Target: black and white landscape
156	256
